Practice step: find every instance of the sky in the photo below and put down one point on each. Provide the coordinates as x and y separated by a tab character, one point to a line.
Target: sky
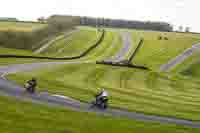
176	12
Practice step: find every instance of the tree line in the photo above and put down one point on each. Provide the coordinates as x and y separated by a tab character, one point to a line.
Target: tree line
119	23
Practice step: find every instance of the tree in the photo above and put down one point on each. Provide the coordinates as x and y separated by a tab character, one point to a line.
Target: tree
62	23
41	19
187	29
180	28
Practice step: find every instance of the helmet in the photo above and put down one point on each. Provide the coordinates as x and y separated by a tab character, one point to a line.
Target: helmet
102	89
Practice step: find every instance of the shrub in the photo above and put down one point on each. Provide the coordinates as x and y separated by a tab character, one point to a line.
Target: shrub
159	37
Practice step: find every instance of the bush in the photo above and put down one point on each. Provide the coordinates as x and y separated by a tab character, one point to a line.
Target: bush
159	37
166	38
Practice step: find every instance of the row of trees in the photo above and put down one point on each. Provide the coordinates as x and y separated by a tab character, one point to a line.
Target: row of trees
8	19
181	29
159	26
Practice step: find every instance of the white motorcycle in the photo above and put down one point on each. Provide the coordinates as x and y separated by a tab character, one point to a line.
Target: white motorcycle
101	103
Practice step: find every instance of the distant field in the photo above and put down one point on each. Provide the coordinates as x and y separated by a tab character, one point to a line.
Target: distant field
155	52
25	117
72	45
132	89
20	26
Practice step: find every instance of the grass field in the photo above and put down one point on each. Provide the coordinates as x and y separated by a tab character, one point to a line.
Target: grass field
20	26
155	52
109	47
132	89
23	117
72	45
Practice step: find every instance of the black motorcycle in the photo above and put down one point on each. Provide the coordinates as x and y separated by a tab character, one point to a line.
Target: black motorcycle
101	103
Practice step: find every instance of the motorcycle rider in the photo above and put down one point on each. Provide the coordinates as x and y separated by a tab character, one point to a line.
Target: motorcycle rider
101	96
31	85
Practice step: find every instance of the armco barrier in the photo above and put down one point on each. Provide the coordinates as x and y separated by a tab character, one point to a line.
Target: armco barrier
136	50
117	64
63	58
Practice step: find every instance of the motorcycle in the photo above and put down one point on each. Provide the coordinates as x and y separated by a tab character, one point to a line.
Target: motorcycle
101	103
29	88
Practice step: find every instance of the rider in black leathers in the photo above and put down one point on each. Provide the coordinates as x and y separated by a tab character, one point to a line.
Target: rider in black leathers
31	85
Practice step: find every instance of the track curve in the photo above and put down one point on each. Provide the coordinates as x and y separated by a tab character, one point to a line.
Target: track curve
180	58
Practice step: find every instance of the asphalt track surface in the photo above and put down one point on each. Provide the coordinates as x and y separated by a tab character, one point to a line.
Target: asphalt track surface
4	70
180	58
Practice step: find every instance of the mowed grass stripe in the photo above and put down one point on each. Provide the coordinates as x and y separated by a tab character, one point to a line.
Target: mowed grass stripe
134	43
115	47
154	96
147	104
166	90
176	95
160	84
102	50
160	94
